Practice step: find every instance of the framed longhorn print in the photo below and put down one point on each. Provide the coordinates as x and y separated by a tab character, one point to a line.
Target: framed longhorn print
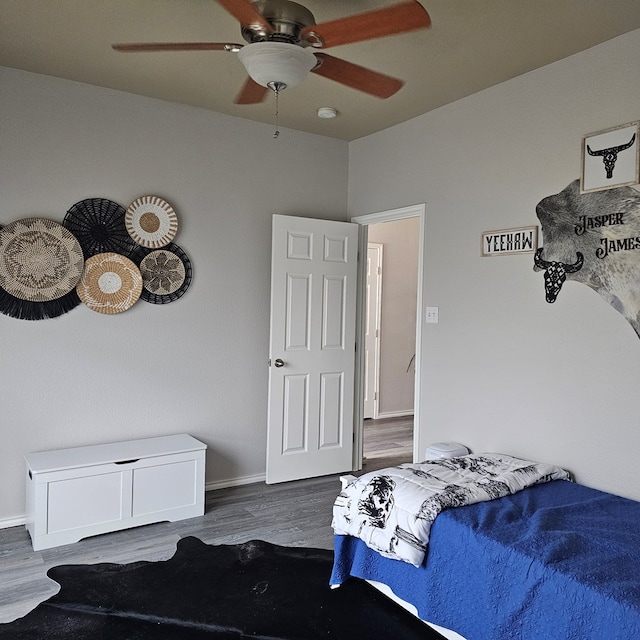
611	158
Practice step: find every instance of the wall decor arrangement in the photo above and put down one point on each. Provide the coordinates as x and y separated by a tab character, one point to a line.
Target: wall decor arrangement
593	238
611	158
102	255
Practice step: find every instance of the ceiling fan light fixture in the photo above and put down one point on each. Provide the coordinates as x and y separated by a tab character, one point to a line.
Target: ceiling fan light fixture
277	62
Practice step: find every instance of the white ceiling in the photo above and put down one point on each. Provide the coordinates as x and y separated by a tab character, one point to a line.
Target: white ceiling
472	45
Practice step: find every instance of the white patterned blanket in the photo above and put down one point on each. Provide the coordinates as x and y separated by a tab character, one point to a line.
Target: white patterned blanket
392	510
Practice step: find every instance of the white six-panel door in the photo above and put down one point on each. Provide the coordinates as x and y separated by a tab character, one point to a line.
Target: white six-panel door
312	348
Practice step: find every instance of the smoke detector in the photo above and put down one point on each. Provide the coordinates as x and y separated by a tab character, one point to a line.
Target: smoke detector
327	112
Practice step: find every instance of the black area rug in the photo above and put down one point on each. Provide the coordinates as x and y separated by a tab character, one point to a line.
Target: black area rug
251	590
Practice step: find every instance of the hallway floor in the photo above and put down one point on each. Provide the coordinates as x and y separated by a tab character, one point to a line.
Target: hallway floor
387	442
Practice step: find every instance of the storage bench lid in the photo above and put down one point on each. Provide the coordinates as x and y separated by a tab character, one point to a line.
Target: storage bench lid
44	461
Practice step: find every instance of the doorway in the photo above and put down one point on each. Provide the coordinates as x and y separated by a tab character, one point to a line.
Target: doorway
372	337
401	412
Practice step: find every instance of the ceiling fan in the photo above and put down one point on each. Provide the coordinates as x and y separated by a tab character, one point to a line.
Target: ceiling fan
283	38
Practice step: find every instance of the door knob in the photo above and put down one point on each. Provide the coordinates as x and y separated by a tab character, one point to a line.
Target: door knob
279	362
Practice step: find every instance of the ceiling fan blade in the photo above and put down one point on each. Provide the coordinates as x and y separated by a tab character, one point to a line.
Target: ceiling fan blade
177	46
251	93
398	18
357	77
247	15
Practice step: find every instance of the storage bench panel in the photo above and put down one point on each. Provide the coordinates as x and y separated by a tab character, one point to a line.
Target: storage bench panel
163	487
99	495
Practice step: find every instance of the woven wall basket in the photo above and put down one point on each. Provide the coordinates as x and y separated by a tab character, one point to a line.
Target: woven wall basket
98	224
110	283
151	222
40	260
166	274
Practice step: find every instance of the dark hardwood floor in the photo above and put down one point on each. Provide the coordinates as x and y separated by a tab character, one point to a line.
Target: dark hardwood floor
291	514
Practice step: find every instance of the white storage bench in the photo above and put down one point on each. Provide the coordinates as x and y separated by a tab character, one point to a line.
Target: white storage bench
85	491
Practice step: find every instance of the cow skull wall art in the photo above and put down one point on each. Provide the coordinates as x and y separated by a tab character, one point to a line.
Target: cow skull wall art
610	155
556	273
593	238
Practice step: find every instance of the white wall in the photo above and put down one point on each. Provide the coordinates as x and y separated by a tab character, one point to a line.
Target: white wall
504	370
398	313
198	365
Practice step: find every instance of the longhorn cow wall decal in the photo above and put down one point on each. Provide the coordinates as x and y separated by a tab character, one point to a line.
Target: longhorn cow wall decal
593	238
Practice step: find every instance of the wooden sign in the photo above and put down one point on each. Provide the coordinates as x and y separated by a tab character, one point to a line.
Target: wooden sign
506	242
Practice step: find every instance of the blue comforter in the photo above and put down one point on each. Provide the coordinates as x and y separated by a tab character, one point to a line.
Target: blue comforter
556	561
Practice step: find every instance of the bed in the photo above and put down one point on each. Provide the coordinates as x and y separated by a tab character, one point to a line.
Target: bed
553	560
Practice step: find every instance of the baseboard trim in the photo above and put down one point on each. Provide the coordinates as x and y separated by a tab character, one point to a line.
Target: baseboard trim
395	414
234	482
6	523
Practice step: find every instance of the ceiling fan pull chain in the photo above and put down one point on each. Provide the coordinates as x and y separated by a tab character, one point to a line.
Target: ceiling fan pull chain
276	133
277	87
